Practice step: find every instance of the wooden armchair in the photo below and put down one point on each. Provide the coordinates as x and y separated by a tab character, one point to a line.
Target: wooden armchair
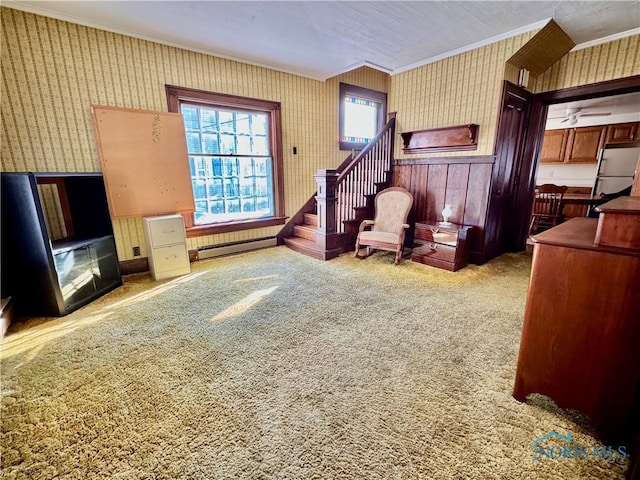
387	230
547	207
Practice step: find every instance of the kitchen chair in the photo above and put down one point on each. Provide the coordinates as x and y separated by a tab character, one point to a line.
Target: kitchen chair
387	230
547	207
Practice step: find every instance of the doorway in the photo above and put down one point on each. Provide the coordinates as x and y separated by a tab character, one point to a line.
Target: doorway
541	103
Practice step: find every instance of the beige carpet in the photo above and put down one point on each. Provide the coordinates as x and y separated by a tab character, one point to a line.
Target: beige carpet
273	365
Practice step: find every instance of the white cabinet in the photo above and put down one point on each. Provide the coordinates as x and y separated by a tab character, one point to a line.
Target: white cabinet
166	246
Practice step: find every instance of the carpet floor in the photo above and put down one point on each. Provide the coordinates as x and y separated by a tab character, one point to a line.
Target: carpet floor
273	365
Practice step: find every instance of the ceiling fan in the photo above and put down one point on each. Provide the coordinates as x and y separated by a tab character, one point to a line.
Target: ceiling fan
573	113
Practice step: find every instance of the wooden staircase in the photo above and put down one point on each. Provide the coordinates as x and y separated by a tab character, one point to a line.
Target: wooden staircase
327	225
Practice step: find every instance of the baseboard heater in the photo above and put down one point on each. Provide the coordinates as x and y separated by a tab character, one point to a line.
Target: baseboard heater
235	247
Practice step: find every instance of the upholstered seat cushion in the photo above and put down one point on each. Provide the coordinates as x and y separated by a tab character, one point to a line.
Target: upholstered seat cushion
367	236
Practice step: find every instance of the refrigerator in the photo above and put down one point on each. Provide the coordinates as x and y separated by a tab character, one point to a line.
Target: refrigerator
616	168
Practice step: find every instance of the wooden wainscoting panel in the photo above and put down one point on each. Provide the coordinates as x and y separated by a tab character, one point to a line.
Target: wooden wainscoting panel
456	192
401	176
419	181
464	183
477	194
436	191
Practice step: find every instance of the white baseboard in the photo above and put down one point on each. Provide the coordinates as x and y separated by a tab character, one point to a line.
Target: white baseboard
218	251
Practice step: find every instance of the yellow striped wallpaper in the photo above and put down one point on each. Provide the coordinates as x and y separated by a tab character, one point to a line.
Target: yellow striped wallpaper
608	61
52	71
458	90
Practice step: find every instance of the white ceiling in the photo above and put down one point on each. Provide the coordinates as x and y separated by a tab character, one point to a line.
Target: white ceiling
320	39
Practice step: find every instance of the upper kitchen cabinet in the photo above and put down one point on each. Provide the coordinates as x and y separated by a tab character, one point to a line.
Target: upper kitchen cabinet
554	146
584	144
623	132
573	145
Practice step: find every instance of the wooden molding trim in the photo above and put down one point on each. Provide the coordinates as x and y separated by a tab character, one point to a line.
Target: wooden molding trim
216	228
446	160
592	90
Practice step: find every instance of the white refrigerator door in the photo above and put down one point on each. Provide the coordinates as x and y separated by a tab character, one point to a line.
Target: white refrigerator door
608	185
619	162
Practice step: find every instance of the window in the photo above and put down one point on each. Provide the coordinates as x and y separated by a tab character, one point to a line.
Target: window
362	115
235	159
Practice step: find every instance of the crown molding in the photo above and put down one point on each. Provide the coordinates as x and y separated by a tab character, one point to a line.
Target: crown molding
610	38
473	46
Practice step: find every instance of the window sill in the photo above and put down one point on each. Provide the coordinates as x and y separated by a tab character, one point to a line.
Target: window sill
212	229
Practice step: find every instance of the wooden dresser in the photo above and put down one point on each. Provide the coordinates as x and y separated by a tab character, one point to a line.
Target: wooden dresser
441	246
580	340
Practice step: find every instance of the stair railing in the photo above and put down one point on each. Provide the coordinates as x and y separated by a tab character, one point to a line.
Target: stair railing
362	175
342	189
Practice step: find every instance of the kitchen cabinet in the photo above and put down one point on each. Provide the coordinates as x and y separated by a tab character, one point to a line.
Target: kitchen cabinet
623	132
573	145
584	144
166	246
554	146
58	248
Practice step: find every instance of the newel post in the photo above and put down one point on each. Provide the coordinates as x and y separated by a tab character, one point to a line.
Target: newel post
326	179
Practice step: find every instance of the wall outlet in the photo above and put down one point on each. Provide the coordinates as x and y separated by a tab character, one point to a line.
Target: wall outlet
136	251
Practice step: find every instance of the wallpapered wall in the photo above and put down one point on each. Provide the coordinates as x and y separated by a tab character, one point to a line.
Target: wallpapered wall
466	88
458	90
608	61
53	71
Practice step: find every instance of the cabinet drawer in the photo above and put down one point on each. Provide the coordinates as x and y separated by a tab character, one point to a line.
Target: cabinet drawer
170	258
166	231
438	251
437	235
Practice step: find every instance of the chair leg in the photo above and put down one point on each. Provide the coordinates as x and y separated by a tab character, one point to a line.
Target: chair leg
356	254
398	255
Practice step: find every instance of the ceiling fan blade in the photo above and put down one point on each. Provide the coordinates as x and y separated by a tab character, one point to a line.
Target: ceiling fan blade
555	118
595	114
565	120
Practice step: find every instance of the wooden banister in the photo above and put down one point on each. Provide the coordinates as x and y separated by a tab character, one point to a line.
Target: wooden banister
343	192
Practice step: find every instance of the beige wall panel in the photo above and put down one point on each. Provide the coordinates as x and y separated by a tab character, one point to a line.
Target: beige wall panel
608	61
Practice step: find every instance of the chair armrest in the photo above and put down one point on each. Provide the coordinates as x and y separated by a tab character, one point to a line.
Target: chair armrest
365	224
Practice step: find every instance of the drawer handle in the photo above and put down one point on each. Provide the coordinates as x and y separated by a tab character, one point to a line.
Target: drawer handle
435	230
433	246
168	231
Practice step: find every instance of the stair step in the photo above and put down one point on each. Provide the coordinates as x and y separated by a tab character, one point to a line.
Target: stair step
306	231
309	248
311	219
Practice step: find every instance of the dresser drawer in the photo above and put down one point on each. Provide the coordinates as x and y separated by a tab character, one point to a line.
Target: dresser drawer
170	258
167	246
438	251
436	235
166	230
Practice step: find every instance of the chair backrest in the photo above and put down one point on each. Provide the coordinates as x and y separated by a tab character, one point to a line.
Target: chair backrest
549	199
392	209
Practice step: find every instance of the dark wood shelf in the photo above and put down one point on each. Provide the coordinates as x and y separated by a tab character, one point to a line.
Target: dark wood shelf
444	139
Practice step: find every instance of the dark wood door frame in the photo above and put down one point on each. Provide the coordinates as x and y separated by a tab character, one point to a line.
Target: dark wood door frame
511	134
535	134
